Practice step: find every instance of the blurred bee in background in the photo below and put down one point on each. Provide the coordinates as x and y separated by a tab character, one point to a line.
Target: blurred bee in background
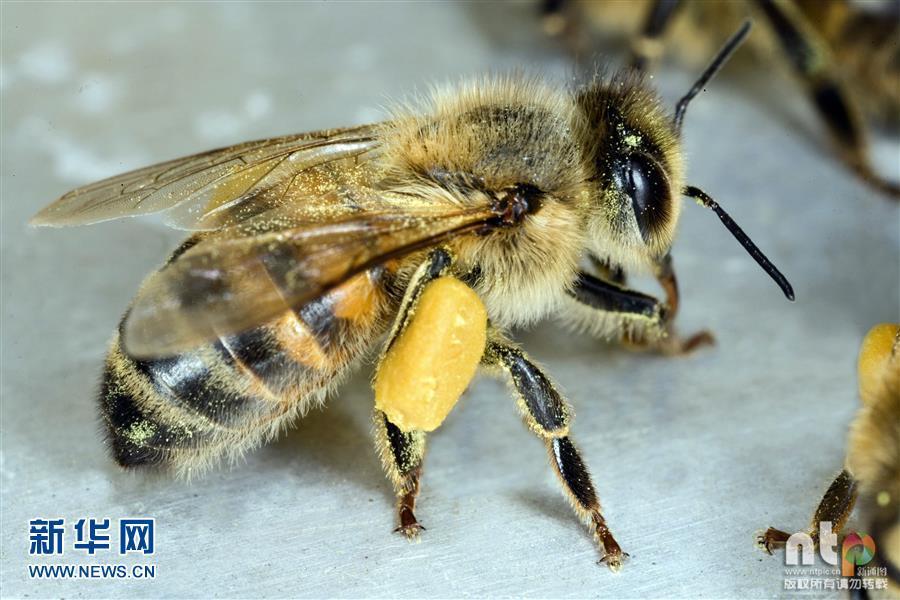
441	229
846	54
872	466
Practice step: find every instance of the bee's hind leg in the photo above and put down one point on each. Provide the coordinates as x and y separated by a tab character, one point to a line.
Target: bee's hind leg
548	415
402	454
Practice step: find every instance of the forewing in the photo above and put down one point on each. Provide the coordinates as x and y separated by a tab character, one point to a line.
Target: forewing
202	192
223	286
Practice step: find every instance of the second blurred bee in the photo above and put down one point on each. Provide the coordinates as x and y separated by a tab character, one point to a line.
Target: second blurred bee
845	54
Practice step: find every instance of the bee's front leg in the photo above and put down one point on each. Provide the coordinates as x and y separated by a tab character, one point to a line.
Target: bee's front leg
548	415
640	320
672	343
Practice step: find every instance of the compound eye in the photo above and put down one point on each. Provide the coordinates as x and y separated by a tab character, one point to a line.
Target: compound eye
642	179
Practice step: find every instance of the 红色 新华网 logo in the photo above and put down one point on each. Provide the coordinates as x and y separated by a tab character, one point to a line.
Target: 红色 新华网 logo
856	550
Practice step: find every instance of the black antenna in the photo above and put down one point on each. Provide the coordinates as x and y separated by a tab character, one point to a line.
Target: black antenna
745	241
724	54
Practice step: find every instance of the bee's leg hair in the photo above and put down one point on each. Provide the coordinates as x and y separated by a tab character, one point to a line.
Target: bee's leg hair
401	455
811	60
835	507
402	452
547	414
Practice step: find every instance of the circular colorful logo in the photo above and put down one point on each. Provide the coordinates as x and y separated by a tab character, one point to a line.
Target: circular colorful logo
856	550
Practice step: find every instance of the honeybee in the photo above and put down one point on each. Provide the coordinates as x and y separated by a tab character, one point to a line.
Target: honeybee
872	465
308	249
846	54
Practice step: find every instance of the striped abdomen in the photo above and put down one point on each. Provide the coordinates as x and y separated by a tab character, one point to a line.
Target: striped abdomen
224	397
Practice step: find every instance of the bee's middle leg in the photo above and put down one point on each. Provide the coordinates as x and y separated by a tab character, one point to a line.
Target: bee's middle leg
548	416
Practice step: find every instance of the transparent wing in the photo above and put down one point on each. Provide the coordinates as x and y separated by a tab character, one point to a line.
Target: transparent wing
202	191
225	285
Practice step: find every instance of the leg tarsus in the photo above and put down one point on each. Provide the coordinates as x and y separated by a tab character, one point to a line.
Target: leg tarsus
772	539
647	47
409	525
402	454
578	485
807	53
675	345
613	556
835	508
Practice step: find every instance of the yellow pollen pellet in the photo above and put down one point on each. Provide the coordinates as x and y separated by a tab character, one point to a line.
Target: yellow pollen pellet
874	357
433	360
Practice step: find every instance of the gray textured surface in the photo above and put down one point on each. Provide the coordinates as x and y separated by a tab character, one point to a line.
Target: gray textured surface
691	456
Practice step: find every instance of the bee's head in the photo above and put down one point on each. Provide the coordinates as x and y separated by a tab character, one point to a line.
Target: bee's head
633	154
632	149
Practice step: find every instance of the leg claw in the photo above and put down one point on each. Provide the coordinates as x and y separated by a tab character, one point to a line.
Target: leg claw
771	539
409	525
675	345
411	530
614	560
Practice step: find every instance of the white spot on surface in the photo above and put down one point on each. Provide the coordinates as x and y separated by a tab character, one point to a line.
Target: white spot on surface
4	472
75	162
217	125
736	264
47	62
98	93
367	114
7	76
71	160
360	56
234	13
257	105
171	19
123	42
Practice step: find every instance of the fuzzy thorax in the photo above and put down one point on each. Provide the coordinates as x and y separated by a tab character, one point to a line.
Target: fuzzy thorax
602	158
480	140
